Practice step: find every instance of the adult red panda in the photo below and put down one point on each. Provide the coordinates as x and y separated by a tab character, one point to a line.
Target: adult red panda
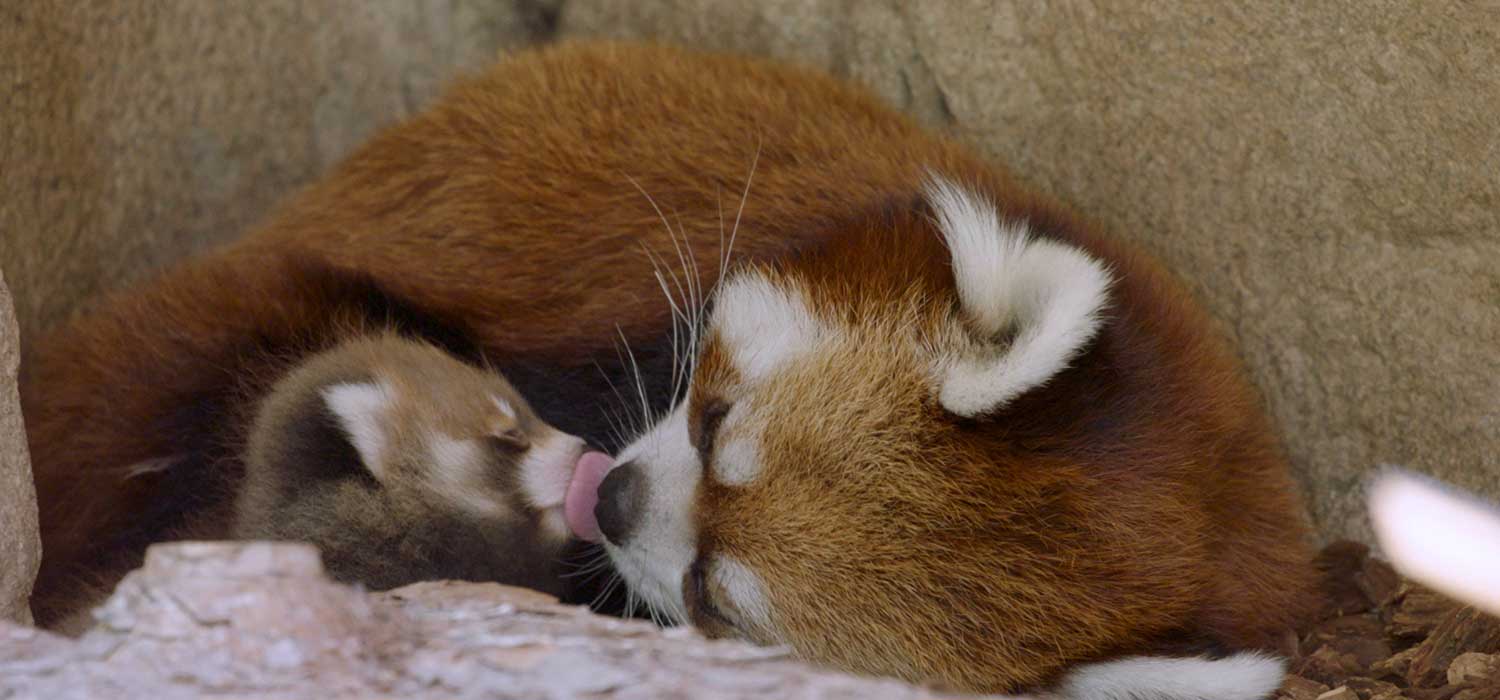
935	426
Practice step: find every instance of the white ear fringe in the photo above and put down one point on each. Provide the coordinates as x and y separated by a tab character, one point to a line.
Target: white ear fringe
360	408
1047	294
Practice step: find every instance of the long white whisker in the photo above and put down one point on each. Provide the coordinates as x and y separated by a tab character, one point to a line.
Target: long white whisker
626	405
723	252
744	197
687	291
678	316
609	588
670	233
640	385
696	303
616	421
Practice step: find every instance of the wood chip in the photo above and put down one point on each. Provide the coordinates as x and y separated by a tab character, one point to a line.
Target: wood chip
1461	630
1394	667
1473	668
1486	692
1328	666
1298	688
1339	693
1371	689
1417	612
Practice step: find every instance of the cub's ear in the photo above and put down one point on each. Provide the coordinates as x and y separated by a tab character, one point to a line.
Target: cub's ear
361	410
1030	305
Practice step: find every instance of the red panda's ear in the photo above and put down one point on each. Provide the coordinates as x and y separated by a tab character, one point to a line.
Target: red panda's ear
1030	305
361	409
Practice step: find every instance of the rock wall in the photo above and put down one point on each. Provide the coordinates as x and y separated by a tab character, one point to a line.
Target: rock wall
149	130
20	547
1323	174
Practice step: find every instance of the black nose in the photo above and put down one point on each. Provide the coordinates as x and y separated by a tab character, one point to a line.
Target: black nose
619	496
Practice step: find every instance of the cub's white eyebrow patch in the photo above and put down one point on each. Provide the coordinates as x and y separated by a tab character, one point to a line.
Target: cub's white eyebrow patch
763	325
1046	296
504	406
456	464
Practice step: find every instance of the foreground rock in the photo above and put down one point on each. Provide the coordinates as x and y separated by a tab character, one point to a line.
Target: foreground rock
20	546
258	619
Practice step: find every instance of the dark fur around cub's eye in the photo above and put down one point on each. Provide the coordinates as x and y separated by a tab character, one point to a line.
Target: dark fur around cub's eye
510	443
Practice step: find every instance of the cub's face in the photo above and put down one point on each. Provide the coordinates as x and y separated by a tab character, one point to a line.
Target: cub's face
831	480
403	463
428	427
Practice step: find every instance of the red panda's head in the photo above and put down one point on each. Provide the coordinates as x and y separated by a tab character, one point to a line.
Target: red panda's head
894	456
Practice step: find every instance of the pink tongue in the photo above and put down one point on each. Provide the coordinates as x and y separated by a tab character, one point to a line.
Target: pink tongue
583	495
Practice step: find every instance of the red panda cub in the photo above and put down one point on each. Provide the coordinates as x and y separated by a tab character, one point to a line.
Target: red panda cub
402	463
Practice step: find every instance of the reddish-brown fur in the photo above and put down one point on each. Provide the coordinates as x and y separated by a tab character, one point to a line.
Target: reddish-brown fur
1134	504
513	212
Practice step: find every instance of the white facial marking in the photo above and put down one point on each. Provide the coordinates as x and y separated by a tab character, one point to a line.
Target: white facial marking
747	594
1048	294
663	543
360	409
1243	676
504	406
763	325
736	460
455	472
545	472
547	467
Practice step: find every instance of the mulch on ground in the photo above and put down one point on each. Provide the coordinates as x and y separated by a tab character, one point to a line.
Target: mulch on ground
1381	637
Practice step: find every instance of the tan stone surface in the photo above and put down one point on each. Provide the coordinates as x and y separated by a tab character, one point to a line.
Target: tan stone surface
1324	174
20	547
260	620
136	132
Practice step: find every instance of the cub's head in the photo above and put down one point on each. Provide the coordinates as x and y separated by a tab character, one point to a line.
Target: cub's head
865	466
403	463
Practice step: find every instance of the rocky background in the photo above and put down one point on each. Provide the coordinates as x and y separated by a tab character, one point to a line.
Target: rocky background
1324	174
20	546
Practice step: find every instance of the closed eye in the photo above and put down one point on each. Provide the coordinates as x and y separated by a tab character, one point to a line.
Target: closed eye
708	429
702	596
508	442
